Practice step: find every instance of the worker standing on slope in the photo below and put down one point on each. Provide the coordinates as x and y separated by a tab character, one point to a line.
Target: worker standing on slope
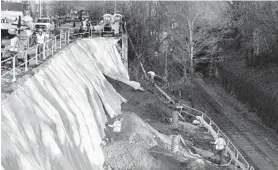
220	145
41	38
114	129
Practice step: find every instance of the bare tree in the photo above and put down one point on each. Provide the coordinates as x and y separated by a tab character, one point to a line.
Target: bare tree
258	24
197	31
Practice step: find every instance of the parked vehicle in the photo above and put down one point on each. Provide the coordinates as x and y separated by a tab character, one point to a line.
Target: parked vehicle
46	24
10	13
117	23
107	25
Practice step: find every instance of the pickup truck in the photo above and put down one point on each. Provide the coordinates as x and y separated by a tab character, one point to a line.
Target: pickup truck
45	24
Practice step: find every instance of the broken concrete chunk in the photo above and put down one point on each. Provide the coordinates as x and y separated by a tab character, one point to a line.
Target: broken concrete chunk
197	164
188	127
203	153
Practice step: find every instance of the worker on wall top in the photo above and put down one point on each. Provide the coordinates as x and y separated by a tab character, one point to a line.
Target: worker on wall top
41	38
14	43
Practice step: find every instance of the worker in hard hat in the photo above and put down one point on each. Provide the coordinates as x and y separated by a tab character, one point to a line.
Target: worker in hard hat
88	25
154	77
114	129
220	145
14	44
41	38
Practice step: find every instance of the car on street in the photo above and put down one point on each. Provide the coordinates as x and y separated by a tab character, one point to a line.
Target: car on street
46	24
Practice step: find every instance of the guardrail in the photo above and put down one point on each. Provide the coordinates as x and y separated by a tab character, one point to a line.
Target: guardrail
214	130
42	52
45	50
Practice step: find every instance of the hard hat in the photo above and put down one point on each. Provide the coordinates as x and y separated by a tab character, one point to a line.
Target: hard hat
151	73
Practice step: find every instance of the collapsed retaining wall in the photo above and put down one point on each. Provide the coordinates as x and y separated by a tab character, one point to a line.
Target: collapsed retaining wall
56	119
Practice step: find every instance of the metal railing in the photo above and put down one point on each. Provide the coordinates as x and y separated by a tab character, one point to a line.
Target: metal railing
45	50
231	149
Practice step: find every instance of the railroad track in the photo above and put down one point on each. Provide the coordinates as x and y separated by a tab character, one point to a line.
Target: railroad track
250	150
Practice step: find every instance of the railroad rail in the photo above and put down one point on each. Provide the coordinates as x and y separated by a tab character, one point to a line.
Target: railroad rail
231	149
235	132
234	153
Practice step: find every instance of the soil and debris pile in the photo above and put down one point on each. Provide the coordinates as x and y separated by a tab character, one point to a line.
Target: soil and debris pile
131	148
145	139
140	146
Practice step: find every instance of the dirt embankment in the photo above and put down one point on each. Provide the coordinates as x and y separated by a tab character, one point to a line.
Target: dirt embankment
256	86
144	142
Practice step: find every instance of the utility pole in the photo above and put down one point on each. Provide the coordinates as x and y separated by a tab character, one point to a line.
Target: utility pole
115	4
40	6
166	65
125	50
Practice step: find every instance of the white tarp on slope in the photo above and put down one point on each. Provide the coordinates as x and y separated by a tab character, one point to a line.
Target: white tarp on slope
56	119
104	50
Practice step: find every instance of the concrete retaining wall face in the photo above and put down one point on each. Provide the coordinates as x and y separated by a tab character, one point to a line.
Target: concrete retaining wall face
55	120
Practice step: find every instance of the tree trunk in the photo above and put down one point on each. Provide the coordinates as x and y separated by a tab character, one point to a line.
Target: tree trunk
150	15
150	9
250	57
256	47
211	66
190	24
185	77
247	58
166	66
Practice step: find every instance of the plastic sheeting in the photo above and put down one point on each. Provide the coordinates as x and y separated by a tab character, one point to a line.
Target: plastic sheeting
104	50
56	119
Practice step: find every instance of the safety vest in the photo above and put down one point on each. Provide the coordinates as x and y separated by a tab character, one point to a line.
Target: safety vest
117	126
84	24
220	144
14	44
40	38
